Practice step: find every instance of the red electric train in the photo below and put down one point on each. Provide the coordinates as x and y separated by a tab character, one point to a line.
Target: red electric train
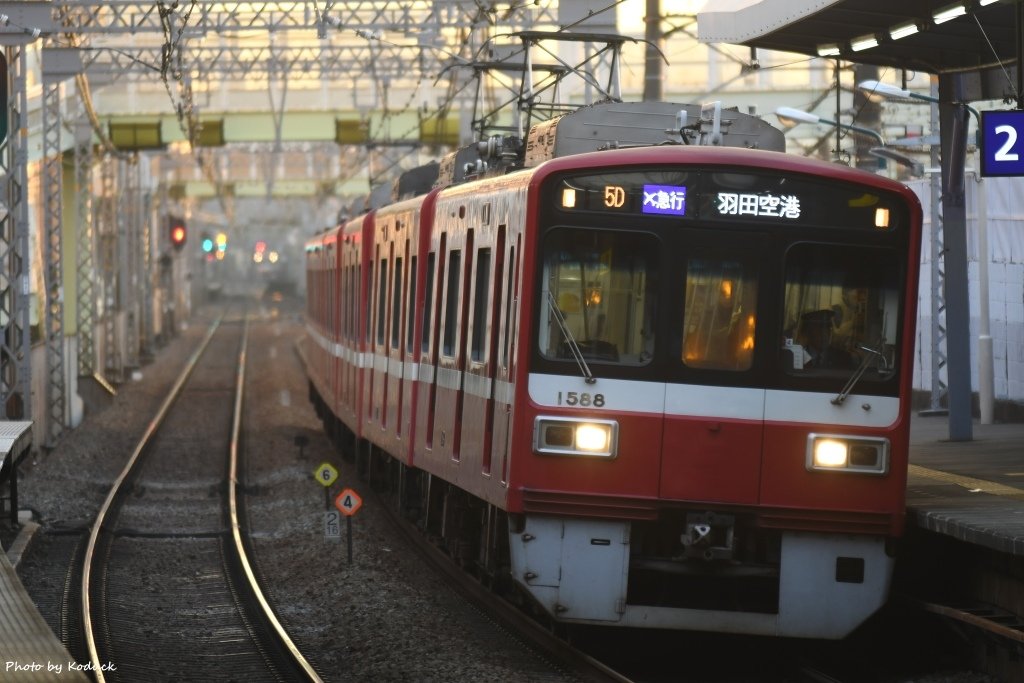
649	374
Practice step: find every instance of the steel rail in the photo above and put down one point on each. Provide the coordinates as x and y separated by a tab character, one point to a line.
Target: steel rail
499	609
978	621
236	527
90	550
241	559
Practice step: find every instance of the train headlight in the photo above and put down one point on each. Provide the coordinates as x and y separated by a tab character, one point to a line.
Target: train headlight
568	436
830	453
593	438
838	453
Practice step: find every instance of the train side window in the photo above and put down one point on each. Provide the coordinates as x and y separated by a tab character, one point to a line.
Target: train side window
357	296
509	294
382	297
396	304
410	306
451	308
368	323
719	312
428	306
353	298
349	313
480	302
339	297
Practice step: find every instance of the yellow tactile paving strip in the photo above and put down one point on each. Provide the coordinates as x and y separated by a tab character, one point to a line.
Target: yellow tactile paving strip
969	483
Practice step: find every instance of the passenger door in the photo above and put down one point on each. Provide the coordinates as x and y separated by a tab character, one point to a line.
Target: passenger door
714	417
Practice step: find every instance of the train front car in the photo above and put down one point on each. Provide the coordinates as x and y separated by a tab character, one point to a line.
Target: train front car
715	429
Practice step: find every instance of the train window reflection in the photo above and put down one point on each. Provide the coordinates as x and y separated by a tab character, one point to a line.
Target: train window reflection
603	285
719	313
841	310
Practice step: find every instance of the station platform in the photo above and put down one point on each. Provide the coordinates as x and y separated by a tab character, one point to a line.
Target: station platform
970	490
29	650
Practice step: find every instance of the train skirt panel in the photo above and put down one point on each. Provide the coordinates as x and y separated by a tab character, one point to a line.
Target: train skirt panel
581	571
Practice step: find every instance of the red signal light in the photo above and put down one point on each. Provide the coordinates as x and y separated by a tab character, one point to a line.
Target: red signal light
178	233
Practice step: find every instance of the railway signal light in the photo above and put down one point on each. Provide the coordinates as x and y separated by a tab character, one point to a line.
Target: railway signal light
177	232
207	243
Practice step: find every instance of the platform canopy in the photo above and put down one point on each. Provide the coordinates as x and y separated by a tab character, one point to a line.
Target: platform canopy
978	36
973	46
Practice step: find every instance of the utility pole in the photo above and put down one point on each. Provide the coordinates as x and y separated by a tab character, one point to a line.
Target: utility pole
654	89
868	114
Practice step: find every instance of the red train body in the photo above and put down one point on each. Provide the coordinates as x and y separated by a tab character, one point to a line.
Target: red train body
604	378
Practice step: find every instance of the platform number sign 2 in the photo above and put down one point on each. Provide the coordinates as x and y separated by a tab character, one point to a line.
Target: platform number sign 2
1002	143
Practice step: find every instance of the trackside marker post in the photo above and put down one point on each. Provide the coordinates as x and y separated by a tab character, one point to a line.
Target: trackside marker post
327	474
349	502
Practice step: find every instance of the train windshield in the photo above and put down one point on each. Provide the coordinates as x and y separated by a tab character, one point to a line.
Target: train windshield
719	311
840	311
601	285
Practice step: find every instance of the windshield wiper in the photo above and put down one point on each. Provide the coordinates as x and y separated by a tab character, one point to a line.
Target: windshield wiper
859	372
588	376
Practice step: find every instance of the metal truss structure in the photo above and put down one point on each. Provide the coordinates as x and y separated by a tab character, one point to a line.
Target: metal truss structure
85	251
376	46
53	322
230	63
15	341
405	16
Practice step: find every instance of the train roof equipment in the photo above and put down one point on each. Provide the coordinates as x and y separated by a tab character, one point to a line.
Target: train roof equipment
611	125
545	124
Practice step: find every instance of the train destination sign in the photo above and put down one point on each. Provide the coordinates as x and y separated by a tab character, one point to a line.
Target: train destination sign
730	196
763	204
664	199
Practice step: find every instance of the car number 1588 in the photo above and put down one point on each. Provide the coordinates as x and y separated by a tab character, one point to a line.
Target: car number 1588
581	399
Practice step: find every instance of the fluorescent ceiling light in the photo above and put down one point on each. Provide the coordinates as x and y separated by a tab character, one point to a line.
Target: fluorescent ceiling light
864	43
986	2
829	50
947	13
902	31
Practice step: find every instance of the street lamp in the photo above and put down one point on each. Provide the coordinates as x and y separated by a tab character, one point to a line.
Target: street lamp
789	117
878	91
986	391
916	167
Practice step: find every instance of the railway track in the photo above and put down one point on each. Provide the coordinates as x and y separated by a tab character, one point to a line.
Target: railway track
168	591
577	665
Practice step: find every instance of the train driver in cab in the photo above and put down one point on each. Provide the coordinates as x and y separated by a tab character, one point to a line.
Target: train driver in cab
816	329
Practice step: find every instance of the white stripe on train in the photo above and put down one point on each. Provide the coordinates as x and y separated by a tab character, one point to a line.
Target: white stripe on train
633	396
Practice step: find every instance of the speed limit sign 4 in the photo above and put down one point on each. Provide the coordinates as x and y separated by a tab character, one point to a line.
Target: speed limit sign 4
349	502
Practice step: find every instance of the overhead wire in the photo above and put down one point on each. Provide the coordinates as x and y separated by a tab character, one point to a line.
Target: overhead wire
1006	74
